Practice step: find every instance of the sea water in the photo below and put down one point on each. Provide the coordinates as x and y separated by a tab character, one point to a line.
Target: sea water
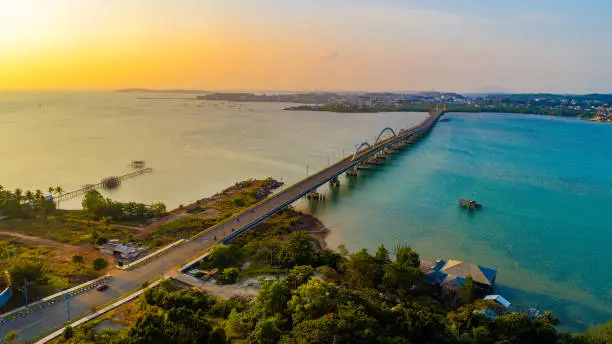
546	224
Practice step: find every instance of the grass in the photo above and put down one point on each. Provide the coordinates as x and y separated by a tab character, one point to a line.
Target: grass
67	227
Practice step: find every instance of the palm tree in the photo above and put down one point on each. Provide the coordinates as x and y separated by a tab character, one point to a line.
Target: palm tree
29	196
59	191
18	194
51	190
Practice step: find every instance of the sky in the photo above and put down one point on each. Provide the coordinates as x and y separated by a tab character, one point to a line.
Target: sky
396	45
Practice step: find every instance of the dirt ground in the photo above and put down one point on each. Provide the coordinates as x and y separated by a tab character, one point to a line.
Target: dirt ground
87	251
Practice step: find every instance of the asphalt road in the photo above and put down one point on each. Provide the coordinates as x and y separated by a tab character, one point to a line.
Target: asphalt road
44	321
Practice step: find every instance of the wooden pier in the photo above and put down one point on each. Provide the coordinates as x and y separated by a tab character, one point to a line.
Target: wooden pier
109	183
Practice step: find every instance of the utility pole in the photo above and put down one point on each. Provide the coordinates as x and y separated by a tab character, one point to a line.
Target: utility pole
24	290
306	170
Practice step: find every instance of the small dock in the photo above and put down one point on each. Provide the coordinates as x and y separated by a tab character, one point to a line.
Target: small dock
108	183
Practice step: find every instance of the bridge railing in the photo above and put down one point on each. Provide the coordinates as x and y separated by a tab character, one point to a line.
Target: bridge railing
366	153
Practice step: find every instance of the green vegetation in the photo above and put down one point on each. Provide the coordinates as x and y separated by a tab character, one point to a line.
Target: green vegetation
98	207
23	205
44	269
99	264
365	305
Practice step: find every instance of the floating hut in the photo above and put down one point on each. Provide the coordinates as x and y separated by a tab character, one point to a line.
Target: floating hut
469	204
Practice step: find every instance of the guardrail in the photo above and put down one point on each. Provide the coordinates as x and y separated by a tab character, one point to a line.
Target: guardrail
146	259
98	313
52	299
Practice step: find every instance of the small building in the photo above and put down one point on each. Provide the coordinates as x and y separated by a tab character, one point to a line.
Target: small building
123	253
455	271
447	277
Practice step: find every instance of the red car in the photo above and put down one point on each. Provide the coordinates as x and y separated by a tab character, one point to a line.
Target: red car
102	287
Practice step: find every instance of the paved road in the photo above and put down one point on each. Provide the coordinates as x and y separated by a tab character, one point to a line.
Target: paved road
123	282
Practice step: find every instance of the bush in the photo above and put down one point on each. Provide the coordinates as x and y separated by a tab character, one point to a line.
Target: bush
101	240
239	202
100	264
228	276
68	333
78	259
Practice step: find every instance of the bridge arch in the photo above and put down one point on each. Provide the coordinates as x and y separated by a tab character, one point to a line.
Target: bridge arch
358	149
382	132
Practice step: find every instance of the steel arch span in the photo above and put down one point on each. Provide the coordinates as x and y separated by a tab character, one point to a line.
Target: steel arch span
363	144
382	132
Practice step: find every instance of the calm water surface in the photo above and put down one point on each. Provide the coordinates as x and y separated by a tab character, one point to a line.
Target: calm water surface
546	183
195	148
546	223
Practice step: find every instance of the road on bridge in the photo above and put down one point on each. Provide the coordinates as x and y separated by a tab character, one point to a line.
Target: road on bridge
42	322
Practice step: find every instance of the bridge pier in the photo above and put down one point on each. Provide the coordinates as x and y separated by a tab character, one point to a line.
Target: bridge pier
334	181
314	195
352	172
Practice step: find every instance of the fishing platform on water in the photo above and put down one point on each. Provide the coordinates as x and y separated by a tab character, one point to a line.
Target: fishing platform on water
107	183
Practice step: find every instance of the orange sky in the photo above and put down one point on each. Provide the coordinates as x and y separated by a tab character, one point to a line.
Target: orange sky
274	45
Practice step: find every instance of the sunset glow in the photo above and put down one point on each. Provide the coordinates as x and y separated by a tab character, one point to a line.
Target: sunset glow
412	45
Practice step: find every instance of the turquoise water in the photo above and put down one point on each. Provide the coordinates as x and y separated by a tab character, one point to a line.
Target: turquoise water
546	189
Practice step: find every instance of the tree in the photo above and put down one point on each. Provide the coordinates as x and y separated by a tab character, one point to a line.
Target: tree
77	259
99	264
273	296
229	276
92	203
382	254
297	250
404	255
329	274
299	275
312	300
222	256
362	270
266	332
25	271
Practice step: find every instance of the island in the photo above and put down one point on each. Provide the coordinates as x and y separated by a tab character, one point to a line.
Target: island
587	106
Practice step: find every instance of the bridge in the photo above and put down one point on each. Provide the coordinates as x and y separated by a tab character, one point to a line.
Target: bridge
248	219
40	322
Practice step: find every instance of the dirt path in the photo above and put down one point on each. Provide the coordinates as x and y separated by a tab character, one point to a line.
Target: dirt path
87	251
28	239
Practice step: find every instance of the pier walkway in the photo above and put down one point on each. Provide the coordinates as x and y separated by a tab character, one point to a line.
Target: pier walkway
76	193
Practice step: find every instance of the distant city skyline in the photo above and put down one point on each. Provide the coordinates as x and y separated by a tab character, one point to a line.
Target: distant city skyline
355	45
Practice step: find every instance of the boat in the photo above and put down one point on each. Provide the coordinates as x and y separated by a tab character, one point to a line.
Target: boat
444	119
138	164
469	204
